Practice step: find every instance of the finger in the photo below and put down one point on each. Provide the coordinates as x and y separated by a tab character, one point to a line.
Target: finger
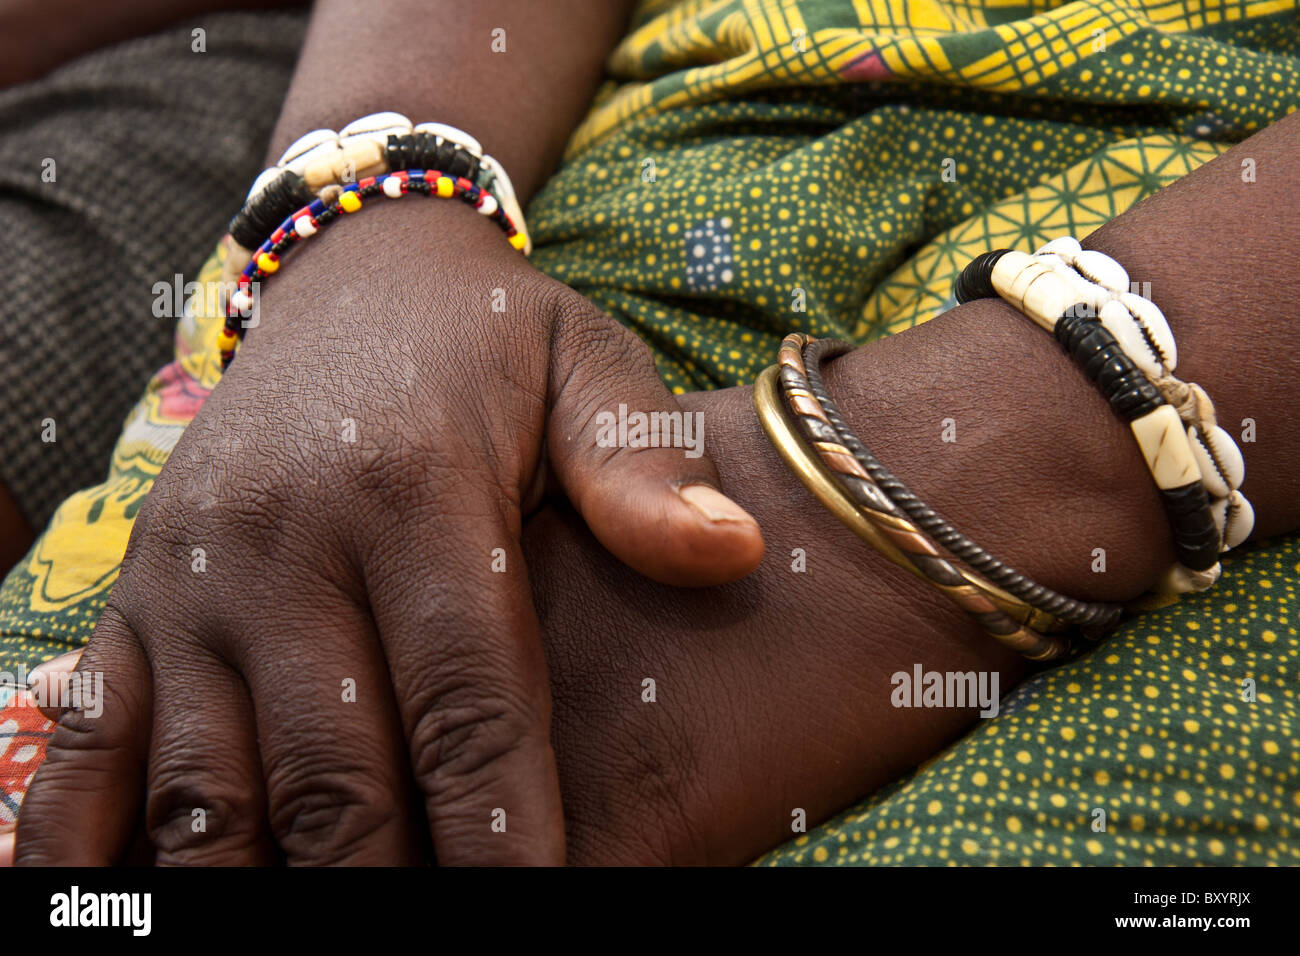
633	462
50	683
206	805
472	685
333	753
82	806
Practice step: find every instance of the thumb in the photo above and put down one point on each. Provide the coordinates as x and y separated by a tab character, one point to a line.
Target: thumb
633	463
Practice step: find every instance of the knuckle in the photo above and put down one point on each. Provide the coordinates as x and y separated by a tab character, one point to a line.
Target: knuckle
454	746
190	809
401	464
205	540
325	815
249	514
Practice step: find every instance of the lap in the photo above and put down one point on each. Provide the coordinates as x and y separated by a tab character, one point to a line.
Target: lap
825	208
114	170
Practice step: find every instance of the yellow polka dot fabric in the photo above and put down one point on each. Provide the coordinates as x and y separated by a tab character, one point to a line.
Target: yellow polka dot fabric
756	167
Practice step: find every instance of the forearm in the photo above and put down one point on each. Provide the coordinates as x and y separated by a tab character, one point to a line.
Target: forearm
774	693
405	55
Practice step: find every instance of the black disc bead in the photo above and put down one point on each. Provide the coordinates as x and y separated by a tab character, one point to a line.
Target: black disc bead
976	280
393	152
422	145
1109	361
283	196
1142	399
1196	537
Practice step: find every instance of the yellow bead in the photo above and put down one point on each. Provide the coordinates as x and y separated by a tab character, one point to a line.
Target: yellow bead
350	202
226	340
446	187
267	262
519	240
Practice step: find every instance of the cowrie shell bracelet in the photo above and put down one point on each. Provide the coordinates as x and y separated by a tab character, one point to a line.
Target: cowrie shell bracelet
1123	342
319	164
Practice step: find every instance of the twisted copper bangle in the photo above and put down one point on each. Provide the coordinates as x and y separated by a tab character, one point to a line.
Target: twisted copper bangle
1095	616
884	526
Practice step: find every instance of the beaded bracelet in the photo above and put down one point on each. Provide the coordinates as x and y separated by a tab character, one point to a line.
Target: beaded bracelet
367	147
1124	344
829	469
338	201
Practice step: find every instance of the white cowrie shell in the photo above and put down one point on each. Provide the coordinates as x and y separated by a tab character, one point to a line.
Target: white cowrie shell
1180	579
322	150
1235	519
1067	247
459	137
1222	467
264	179
1119	323
388	122
1102	269
505	193
377	127
1081	290
306	143
1155	325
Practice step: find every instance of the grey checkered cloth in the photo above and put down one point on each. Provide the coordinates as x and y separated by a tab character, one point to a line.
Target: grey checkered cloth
154	147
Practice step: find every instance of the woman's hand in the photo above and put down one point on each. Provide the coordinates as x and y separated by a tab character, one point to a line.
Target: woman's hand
324	596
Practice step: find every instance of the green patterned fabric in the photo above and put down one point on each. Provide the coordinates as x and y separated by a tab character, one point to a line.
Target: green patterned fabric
755	167
1149	736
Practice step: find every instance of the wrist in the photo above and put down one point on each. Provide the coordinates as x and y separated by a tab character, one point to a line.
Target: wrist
988	420
516	76
385	266
1216	251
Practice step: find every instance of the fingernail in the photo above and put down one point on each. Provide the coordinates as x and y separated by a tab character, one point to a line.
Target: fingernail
64	663
713	504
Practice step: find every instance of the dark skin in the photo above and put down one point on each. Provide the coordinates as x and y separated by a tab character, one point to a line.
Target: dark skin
774	692
36	37
15	533
362	473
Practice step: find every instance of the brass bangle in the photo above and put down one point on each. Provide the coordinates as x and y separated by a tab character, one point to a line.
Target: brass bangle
1032	639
